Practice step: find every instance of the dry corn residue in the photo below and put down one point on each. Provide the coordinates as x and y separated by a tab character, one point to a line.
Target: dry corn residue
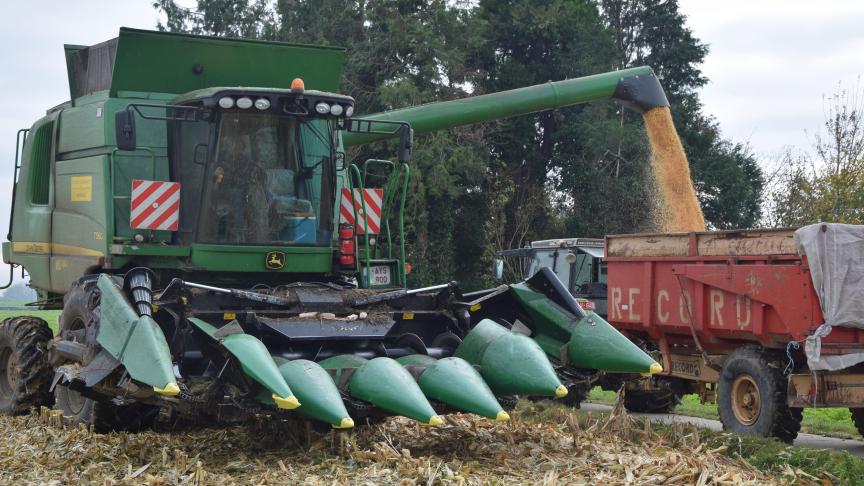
679	209
561	448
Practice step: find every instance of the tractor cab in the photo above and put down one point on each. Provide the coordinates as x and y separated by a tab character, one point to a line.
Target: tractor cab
577	262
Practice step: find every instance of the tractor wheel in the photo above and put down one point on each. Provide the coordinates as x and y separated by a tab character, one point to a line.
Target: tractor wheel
576	394
664	395
25	374
751	397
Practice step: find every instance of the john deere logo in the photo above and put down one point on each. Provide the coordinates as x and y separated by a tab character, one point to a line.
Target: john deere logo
275	260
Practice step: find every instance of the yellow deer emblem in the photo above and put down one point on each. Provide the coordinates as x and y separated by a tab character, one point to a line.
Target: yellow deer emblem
274	260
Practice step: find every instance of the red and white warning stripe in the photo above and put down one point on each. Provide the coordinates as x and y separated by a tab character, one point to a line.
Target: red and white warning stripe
374	199
155	205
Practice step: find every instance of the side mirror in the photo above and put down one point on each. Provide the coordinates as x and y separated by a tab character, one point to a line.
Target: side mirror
499	269
124	129
406	142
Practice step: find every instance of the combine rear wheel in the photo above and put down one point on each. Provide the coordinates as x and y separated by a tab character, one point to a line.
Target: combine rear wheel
751	398
25	374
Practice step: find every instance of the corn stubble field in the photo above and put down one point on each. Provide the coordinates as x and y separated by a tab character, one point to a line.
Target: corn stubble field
544	444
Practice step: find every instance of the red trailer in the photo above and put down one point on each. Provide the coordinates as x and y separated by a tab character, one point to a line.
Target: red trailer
731	308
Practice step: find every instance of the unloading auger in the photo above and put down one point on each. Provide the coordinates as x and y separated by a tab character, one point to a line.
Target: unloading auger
216	258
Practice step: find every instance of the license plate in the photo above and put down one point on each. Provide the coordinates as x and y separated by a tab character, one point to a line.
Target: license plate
380	275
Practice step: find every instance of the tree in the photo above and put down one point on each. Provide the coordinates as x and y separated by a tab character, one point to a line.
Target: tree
555	166
827	184
726	175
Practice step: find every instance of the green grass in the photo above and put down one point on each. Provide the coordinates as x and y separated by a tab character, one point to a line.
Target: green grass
50	316
832	422
775	457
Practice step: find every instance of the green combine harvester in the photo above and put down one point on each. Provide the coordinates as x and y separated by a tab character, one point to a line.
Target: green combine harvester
215	256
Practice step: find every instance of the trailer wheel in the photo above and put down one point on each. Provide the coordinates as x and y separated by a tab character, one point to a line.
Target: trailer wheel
25	374
752	396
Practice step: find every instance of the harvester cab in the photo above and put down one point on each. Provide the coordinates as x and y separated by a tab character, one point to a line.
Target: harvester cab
216	257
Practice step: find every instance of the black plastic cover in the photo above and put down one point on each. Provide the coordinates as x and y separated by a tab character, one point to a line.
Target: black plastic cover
640	93
547	283
90	68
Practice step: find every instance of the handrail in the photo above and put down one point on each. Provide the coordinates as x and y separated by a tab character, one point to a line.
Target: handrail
356	171
403	172
20	139
11	277
385	201
406	170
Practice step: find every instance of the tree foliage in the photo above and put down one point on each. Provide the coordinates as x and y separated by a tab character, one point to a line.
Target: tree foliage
579	171
826	184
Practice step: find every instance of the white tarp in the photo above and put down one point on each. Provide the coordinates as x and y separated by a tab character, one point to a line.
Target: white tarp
835	255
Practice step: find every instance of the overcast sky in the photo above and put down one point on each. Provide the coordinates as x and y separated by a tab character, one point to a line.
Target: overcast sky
770	63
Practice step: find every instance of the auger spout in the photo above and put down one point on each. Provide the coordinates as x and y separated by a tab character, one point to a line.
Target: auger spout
635	88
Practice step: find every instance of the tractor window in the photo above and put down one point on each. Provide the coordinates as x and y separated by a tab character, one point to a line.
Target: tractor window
268	180
39	172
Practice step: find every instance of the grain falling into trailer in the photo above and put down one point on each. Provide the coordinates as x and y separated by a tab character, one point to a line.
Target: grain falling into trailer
680	210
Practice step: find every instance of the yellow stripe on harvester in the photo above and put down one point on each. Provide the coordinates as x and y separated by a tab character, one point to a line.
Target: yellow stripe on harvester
43	248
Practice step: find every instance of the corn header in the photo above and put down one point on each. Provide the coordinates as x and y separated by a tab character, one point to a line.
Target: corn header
215	256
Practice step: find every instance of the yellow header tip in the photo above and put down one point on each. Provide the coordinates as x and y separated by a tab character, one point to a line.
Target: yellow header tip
502	416
561	391
436	421
655	369
288	403
170	390
346	423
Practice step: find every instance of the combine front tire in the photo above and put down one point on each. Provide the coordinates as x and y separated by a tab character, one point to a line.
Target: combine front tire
25	374
751	398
